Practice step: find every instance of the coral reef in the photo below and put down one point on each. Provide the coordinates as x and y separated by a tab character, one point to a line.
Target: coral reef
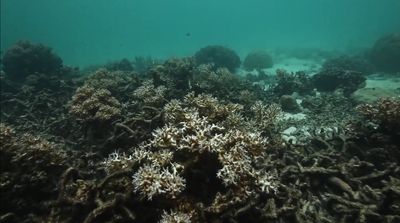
347	63
191	150
288	83
25	58
218	56
289	104
175	74
385	54
150	95
385	112
121	65
30	166
334	79
90	104
257	60
117	82
225	85
118	146
144	64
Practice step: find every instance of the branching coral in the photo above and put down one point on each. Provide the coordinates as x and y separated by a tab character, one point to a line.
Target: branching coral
288	83
117	82
194	144
265	115
224	85
175	74
175	217
150	95
90	104
386	113
30	166
151	180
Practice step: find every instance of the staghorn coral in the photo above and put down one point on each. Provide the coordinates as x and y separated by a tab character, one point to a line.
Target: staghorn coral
30	166
150	95
194	148
90	104
218	56
385	112
265	115
288	83
257	60
175	74
117	82
175	217
25	58
224	85
150	181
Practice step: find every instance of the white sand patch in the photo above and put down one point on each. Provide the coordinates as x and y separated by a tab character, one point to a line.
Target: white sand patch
385	83
295	64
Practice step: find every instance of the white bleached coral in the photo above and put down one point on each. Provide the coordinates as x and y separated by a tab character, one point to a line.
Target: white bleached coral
152	180
195	143
175	217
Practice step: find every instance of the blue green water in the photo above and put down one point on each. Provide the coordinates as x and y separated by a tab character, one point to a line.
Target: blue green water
85	32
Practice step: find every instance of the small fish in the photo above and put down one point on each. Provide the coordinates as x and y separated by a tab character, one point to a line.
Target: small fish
188	34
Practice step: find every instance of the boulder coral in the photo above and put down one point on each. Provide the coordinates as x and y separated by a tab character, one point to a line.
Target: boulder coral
219	56
25	58
257	60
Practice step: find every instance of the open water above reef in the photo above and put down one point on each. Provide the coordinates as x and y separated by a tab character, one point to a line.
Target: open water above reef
90	32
